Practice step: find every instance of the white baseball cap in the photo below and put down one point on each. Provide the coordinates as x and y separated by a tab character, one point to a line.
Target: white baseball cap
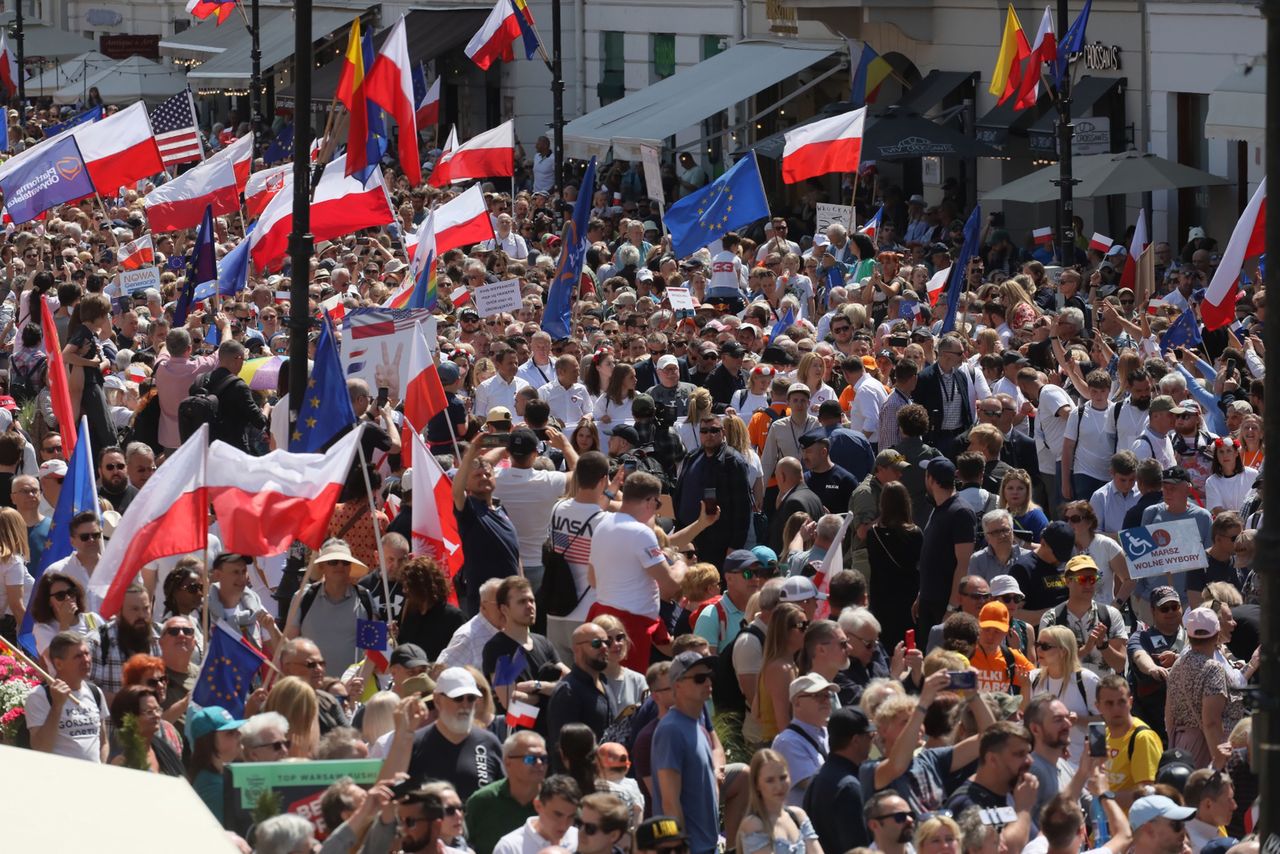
797	588
457	682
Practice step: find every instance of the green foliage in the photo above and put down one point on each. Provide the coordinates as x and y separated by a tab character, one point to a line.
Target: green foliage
135	745
269	804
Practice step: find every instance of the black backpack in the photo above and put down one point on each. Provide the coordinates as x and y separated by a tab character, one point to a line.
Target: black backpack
201	406
22	734
22	383
558	595
726	693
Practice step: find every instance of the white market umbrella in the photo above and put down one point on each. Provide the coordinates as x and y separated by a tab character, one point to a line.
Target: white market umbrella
129	80
69	73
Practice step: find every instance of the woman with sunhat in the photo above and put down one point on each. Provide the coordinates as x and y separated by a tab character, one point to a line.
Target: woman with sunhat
326	610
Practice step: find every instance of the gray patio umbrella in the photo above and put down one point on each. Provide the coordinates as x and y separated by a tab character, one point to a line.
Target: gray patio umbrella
1106	175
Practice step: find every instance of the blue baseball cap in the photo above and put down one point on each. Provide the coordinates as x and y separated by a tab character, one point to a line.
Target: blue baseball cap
766	556
740	559
210	719
1151	807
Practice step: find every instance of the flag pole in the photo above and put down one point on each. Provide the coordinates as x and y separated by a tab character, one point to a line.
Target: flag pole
853	200
373	515
40	671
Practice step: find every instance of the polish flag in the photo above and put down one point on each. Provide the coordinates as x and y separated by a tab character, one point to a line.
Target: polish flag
1248	240
137	253
181	203
1042	236
488	155
521	715
265	503
424	395
120	149
1044	49
335	307
1101	242
262	187
169	516
389	84
821	147
938	284
872	226
8	66
340	206
59	386
462	221
428	112
435	528
495	37
1129	275
240	153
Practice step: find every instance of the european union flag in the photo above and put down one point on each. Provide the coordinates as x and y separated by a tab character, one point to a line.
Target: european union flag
326	411
202	268
1072	42
281	148
1183	332
226	677
79	493
509	668
524	18
781	326
734	199
371	634
84	118
968	250
557	317
419	83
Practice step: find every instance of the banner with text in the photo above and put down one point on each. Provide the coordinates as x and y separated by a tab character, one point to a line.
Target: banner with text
1164	547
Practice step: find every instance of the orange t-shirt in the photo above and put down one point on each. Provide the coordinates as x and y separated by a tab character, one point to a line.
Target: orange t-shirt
993	670
758	426
846	398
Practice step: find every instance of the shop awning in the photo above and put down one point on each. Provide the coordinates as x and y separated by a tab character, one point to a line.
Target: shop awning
898	135
933	90
995	126
430	33
231	68
649	116
1085	96
206	39
50	43
1237	108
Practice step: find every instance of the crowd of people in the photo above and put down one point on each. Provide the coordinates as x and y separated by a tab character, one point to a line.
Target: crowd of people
800	570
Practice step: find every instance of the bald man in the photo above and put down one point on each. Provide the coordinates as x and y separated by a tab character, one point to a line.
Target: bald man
793	497
581	695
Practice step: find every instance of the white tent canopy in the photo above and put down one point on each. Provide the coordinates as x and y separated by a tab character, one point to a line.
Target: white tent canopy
129	80
69	73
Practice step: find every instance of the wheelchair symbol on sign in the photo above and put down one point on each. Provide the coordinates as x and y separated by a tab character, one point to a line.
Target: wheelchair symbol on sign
1140	541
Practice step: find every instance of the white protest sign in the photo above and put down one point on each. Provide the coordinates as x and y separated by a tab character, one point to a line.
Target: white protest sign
376	343
680	299
1163	547
652	173
132	281
829	213
497	297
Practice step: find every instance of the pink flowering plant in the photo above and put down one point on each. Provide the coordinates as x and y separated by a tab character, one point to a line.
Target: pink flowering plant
16	682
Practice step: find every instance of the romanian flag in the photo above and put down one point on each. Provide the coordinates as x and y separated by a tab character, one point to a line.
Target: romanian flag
1006	78
871	71
524	18
350	93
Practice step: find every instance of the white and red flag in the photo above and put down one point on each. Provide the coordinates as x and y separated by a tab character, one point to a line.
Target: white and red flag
1129	275
821	147
1101	242
169	516
428	112
486	155
435	528
389	84
462	221
424	395
181	203
494	39
120	149
137	253
1248	240
8	66
262	187
1043	236
1043	49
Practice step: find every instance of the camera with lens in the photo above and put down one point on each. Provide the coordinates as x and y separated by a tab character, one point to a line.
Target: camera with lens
665	415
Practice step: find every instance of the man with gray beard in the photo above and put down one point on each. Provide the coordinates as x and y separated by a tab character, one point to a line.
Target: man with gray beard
453	748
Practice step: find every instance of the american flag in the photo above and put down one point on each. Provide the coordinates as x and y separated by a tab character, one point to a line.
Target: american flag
177	134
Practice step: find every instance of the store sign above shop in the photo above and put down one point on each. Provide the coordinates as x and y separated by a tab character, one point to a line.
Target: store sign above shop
1099	57
1090	136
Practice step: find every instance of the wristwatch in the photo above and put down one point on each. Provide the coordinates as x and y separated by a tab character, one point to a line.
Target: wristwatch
1108	795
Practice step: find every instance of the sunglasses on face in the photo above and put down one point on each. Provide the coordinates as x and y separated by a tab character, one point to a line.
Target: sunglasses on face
897	817
1012	599
180	631
53	449
1085	580
157	681
619	639
1044	647
114	466
699	678
705	430
803	625
587	827
61	595
277	746
1170	607
193	587
1075	519
532	759
85	538
598	643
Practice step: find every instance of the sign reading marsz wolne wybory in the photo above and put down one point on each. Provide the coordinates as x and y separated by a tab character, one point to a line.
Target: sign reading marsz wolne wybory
47	179
1163	547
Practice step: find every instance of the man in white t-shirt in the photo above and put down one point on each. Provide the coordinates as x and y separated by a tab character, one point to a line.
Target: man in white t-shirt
528	494
573	523
1087	445
1053	408
1153	443
630	570
69	717
728	280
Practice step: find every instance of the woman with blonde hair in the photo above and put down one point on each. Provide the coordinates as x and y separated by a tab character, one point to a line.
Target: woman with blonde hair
1060	675
770	826
1015	496
737	437
625	686
938	834
296	700
699	407
1020	309
379	717
811	371
14	554
782	642
1251	438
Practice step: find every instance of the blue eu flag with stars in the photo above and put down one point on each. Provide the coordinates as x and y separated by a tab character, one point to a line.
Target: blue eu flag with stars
226	678
326	410
371	634
1183	332
733	200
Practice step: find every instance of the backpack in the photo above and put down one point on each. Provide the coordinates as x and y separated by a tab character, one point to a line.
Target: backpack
22	735
1133	737
22	382
726	693
1060	618
201	406
313	590
558	595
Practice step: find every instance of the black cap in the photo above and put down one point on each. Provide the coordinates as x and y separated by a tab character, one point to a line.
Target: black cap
230	557
1175	474
939	249
732	349
642	406
1060	538
1013	357
846	722
657	830
813	437
409	655
830	409
522	442
627	433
